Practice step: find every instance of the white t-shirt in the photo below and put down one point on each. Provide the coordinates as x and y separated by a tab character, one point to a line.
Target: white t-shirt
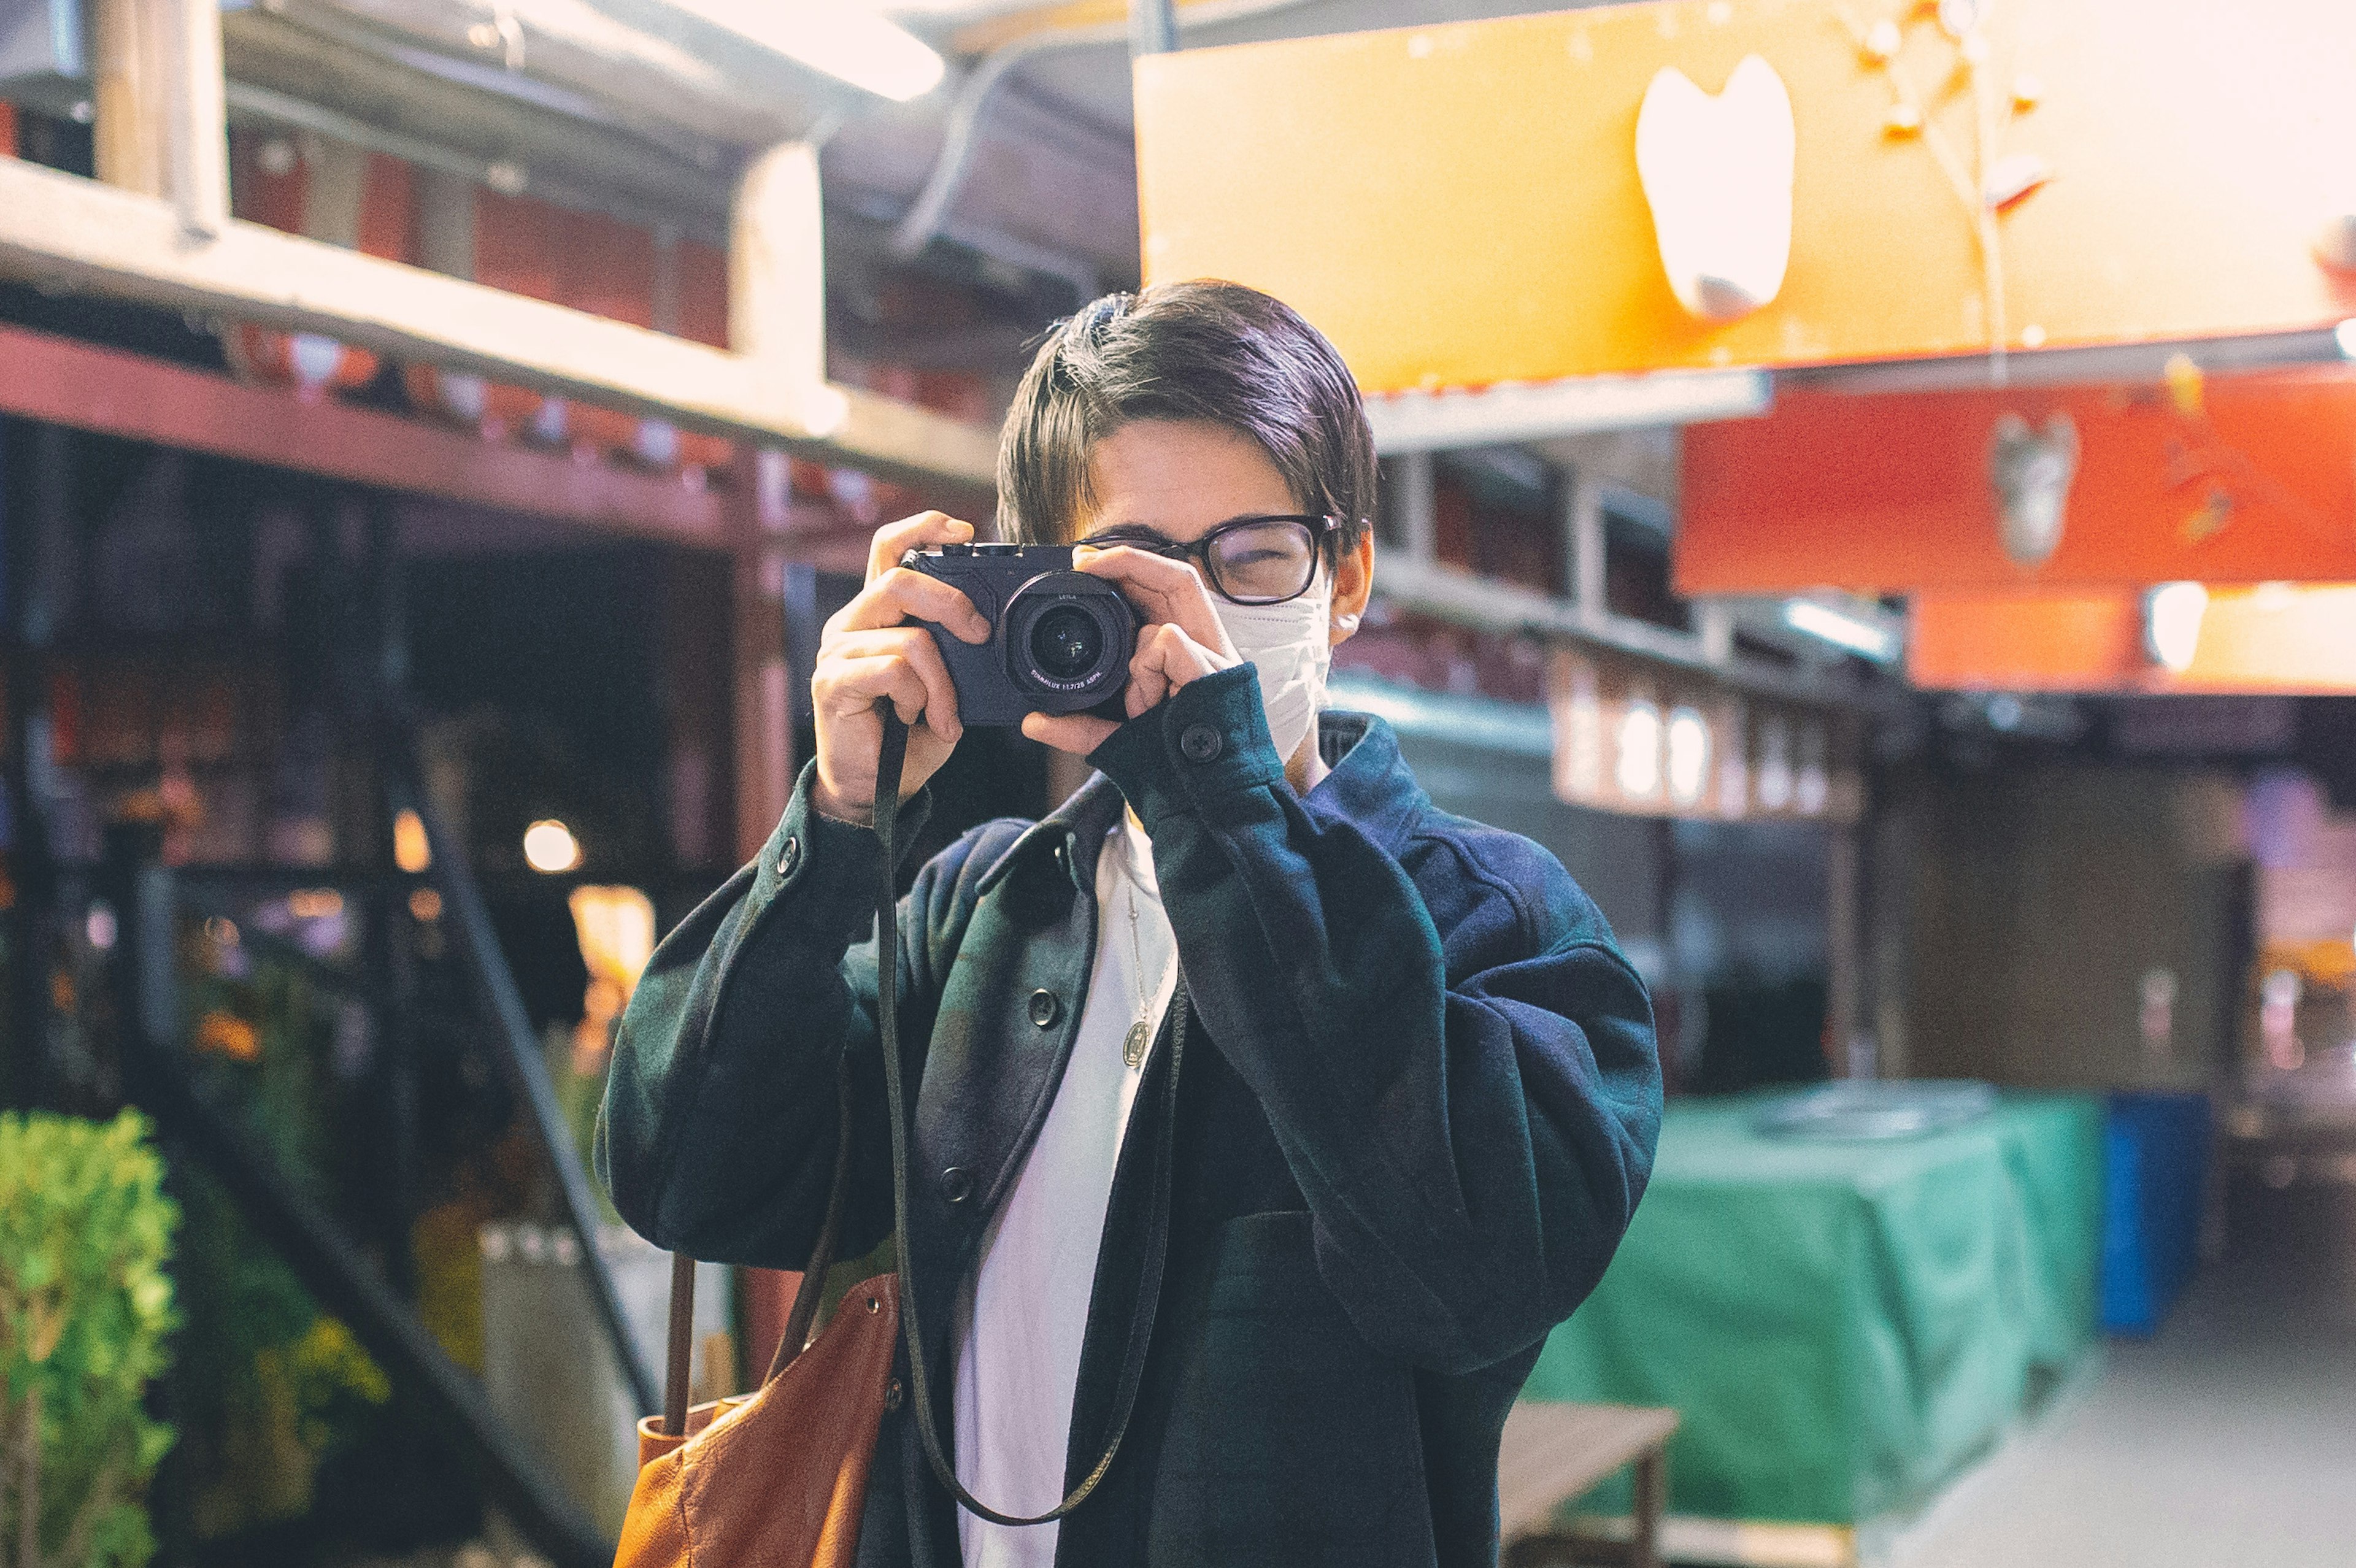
1022	1316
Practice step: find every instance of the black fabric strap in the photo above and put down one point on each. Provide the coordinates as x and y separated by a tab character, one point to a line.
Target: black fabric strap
889	763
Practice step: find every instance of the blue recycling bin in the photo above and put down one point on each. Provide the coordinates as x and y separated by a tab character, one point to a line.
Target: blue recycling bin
2156	1158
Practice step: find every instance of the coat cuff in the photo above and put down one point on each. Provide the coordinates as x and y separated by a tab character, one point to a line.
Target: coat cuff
1205	745
828	866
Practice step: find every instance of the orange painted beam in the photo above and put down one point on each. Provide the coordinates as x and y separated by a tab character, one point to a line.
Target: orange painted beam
1892	494
2277	639
1459	205
65	382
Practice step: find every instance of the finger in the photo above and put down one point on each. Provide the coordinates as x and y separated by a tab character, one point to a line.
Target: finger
859	683
1147	684
915	645
902	594
1174	659
893	540
1078	733
1166	590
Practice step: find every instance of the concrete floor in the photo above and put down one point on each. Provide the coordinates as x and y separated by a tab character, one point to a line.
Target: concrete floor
2229	1438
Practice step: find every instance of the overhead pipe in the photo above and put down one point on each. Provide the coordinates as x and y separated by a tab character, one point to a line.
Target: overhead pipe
1152	29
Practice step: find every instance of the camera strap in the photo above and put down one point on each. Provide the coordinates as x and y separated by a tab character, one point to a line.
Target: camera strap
890	759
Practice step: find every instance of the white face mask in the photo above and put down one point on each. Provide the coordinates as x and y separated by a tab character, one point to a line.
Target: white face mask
1290	644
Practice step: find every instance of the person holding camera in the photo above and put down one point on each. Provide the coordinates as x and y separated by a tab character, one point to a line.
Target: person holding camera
1265	1117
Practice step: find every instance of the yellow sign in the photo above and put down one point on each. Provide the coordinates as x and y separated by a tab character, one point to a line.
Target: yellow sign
1461	205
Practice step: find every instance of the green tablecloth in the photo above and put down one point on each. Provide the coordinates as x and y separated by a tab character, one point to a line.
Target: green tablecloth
1842	1325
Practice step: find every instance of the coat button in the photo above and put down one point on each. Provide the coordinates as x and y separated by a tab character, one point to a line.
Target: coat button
956	1184
789	857
1045	1008
1199	743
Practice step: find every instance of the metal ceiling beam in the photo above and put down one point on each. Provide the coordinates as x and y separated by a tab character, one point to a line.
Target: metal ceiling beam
2093	364
1512	413
60	228
1486	604
58	381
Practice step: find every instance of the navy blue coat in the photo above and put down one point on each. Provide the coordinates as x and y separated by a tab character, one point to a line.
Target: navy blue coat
1417	1108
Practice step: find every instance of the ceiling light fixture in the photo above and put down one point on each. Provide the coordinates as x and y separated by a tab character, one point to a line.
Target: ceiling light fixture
1841	629
845	41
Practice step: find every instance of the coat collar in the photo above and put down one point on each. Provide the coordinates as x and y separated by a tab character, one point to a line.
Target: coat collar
1367	786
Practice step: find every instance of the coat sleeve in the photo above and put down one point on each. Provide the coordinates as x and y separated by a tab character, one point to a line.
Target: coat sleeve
1471	1118
717	1133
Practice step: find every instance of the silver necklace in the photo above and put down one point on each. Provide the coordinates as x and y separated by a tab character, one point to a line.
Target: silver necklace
1141	1033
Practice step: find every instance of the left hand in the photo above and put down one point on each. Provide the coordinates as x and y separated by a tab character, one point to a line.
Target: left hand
1180	641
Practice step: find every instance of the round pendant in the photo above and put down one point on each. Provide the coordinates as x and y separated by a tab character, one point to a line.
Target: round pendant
1133	1050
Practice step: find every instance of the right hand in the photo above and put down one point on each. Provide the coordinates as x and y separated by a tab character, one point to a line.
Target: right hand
867	653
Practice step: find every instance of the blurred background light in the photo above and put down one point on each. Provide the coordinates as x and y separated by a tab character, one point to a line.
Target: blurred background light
410	850
1688	755
1842	630
1639	750
2171	623
549	846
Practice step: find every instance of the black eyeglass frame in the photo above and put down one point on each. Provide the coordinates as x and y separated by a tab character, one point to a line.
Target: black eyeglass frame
1321	528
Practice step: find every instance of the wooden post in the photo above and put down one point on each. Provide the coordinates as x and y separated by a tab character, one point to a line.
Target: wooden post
1583	527
776	265
777	319
161	128
196	141
760	682
130	125
446	222
1652	1502
763	736
1845	1016
1411	496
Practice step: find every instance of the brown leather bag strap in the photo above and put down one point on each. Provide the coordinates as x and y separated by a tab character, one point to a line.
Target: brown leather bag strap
682	1344
893	757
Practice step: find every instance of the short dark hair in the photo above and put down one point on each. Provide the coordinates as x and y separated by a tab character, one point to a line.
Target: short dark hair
1204	350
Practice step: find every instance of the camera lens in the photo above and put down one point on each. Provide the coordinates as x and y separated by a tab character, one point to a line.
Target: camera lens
1065	643
1067	640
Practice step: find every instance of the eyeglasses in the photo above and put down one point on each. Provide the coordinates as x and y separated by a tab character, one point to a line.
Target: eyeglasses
1249	561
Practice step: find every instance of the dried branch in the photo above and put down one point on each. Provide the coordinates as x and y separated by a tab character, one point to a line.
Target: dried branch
104	1488
1970	184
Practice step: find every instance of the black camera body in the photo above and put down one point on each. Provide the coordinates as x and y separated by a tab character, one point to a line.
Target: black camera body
1060	640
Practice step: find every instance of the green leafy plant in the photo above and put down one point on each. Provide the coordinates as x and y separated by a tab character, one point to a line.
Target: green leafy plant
85	1307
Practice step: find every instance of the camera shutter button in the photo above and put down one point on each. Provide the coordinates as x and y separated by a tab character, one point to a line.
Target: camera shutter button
1199	743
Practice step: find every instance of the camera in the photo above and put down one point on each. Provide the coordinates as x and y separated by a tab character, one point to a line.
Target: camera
1060	640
